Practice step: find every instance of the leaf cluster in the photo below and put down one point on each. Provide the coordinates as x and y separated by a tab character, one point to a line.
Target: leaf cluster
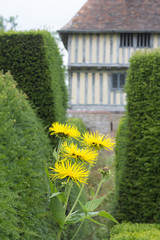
129	231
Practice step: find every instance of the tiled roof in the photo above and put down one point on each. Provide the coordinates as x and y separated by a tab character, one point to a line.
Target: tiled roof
116	15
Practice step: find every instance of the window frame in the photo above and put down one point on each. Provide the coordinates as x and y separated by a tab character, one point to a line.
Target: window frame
135	40
126	40
143	40
118	89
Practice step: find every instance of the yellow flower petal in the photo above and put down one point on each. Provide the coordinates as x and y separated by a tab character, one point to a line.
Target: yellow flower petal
75	172
64	130
82	154
98	141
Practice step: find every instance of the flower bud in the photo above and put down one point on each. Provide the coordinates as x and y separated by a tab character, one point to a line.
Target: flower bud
104	171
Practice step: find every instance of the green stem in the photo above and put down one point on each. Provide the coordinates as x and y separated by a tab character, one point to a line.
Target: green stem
77	230
69	191
66	189
59	148
98	189
75	203
59	234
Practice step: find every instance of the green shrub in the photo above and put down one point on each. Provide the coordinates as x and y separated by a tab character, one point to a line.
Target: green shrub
139	194
34	60
77	122
120	163
128	231
120	150
24	152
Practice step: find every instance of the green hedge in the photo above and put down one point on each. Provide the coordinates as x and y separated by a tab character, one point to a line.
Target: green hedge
34	60
139	196
120	150
120	163
24	152
77	122
128	231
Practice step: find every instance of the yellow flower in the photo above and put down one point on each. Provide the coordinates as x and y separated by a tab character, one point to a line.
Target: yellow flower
64	130
84	155
65	169
98	141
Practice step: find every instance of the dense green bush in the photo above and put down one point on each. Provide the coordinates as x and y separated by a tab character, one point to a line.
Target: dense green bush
120	165
77	122
120	150
24	152
139	192
34	60
128	231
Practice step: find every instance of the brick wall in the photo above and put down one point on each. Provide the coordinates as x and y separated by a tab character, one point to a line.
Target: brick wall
104	121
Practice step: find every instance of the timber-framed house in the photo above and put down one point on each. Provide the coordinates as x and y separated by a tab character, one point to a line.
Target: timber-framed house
100	39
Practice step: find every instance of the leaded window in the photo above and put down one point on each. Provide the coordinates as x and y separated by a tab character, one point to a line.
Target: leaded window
139	40
118	81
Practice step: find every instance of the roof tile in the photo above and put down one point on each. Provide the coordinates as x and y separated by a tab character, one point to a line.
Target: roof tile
116	15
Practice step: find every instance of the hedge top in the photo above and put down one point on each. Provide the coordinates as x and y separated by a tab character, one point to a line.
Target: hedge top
34	60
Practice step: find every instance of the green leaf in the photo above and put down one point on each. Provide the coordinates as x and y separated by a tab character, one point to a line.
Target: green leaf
55	194
61	196
105	214
75	217
92	214
102	213
58	211
55	154
82	206
47	173
73	214
50	184
92	220
92	205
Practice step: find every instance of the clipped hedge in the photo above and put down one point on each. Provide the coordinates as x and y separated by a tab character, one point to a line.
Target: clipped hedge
128	231
34	60
139	191
24	152
120	150
120	163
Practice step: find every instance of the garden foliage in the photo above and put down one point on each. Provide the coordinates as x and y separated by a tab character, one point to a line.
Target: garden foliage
73	166
77	122
129	231
120	150
34	60
71	229
138	142
24	152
